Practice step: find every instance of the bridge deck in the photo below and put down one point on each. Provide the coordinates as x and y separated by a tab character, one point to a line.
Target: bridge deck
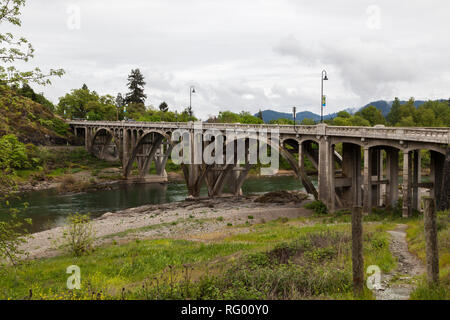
432	135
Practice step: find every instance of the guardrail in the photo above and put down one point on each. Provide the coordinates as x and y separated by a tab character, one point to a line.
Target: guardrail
433	135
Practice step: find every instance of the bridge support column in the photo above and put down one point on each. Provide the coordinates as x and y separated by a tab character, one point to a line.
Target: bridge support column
351	168
377	173
326	179
416	179
88	139
301	160
367	201
392	176
407	161
125	151
444	199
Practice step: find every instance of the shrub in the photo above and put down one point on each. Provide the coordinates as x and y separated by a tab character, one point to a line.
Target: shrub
318	207
13	154
79	234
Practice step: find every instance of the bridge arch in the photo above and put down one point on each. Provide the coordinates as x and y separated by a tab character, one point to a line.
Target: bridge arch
108	137
148	154
215	182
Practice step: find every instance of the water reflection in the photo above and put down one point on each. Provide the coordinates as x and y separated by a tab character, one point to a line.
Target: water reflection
48	209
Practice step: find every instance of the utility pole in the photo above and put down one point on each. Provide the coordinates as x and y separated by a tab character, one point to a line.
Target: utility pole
322	100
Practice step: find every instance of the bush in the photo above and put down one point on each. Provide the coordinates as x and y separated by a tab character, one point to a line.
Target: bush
13	154
318	207
79	234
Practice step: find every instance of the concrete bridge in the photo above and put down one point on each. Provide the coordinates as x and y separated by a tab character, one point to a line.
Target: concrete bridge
354	165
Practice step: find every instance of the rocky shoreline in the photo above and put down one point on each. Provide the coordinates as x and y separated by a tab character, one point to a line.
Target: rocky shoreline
189	219
103	185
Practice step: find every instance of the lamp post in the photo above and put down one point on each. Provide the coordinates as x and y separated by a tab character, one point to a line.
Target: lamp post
191	91
322	101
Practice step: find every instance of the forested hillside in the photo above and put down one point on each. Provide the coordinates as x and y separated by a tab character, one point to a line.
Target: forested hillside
30	121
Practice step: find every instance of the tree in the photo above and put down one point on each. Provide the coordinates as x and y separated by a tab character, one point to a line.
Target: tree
83	103
344	114
12	230
282	121
27	91
394	115
136	85
372	114
13	49
189	111
163	107
260	114
359	121
308	122
135	110
407	114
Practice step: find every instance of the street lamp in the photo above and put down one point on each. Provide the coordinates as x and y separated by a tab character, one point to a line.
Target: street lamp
322	100
191	91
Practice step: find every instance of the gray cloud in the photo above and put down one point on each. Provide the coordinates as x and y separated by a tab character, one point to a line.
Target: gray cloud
245	55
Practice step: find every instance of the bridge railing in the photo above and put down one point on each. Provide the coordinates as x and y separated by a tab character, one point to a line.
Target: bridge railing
435	135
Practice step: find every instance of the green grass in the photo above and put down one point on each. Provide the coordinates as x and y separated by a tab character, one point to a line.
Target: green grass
110	268
416	241
325	269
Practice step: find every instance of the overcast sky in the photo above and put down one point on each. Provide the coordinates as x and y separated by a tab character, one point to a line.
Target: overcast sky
245	55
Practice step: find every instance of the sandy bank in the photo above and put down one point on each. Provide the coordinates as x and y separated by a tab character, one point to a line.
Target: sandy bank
186	219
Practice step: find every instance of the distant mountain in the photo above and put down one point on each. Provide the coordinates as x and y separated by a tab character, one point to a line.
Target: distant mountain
382	105
269	115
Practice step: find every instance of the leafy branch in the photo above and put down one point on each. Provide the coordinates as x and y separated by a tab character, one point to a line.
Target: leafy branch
13	49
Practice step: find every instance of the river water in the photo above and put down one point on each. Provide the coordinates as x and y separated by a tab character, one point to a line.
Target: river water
48	209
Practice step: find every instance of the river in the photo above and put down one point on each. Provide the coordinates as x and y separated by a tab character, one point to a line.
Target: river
48	209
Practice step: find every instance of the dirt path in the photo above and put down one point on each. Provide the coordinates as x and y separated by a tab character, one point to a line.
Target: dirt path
398	284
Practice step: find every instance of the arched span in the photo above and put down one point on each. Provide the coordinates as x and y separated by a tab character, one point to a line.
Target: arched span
108	131
289	158
161	136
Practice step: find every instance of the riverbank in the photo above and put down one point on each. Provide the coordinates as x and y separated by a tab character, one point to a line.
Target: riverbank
233	248
185	219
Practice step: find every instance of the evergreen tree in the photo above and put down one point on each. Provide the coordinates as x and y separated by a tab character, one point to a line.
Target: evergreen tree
394	115
136	85
260	115
163	107
189	111
120	101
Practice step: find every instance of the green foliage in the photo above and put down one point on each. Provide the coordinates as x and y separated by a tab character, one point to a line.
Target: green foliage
136	85
79	234
429	114
29	120
11	239
13	154
13	231
231	117
372	115
282	121
308	122
13	49
28	92
83	103
317	206
152	115
394	115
